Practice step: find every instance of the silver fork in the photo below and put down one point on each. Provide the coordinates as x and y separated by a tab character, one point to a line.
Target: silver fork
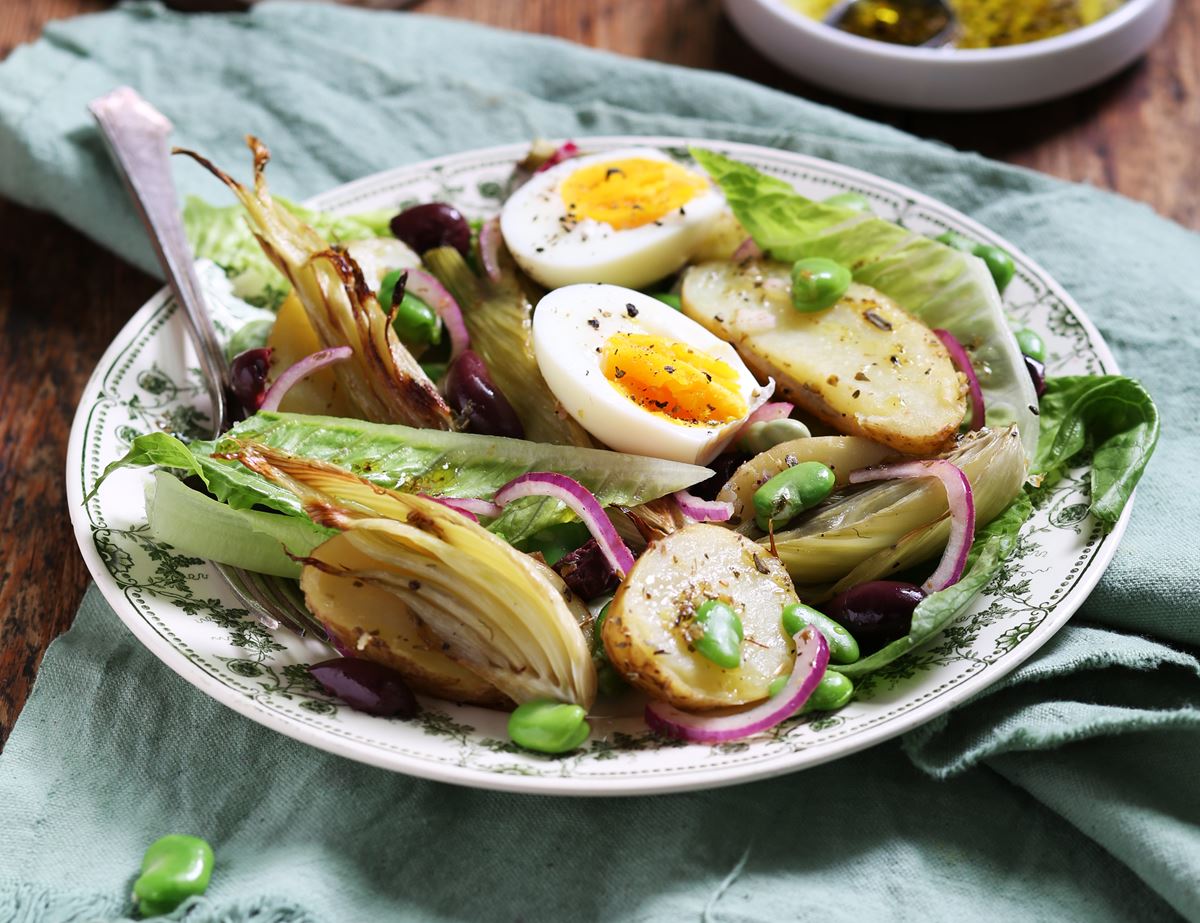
137	134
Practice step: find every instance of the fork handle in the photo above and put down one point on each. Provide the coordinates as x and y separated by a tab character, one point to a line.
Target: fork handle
137	135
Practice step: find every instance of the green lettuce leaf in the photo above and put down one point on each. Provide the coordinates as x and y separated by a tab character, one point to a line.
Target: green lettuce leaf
221	234
195	524
1117	416
942	286
992	546
427	461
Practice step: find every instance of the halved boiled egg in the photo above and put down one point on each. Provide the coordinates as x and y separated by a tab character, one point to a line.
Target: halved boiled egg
641	377
625	217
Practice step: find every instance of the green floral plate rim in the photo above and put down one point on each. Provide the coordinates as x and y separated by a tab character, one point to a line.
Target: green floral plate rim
180	609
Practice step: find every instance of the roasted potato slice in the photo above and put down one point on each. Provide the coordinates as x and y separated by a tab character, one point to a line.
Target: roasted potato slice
646	633
842	454
865	366
373	624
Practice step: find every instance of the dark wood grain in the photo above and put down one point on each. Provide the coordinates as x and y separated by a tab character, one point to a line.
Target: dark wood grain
62	298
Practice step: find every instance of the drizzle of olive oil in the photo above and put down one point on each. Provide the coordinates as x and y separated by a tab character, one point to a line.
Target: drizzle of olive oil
980	23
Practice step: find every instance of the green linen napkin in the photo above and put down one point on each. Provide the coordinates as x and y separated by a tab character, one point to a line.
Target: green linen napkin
1069	791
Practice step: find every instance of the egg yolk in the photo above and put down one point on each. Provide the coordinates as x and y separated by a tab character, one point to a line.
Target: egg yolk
629	193
672	379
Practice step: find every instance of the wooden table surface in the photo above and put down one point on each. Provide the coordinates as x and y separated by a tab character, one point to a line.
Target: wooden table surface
1136	134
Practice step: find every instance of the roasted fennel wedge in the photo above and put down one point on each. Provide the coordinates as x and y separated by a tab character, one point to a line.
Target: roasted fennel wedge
895	524
649	632
382	381
865	366
369	621
500	613
498	316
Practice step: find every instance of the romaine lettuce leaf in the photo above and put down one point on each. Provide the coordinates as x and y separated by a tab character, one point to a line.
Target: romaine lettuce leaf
434	462
222	235
1117	416
942	286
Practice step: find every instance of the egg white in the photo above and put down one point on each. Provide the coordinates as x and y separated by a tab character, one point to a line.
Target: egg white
555	254
571	326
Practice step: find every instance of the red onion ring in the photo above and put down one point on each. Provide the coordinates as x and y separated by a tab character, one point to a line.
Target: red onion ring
699	510
472	507
959	497
445	501
434	294
775	410
812	657
581	502
299	370
958	353
489	249
747	250
565	151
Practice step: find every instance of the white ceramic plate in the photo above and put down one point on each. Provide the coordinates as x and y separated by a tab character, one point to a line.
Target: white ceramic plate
181	610
954	79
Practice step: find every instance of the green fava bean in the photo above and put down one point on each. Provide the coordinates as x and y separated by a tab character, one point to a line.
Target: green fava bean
557	541
721	641
842	646
817	284
790	492
174	868
999	264
957	241
766	434
415	321
1031	344
548	727
670	298
833	691
852	200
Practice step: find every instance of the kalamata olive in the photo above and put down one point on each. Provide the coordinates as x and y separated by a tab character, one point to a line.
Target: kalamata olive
1037	371
434	224
586	571
474	397
723	465
366	686
248	377
876	613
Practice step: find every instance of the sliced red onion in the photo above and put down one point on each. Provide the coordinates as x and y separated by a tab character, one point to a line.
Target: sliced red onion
489	249
302	369
747	250
958	353
699	510
434	294
812	657
581	502
775	410
961	501
471	506
566	151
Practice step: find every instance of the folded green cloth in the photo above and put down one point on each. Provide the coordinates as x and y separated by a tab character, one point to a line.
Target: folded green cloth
1069	791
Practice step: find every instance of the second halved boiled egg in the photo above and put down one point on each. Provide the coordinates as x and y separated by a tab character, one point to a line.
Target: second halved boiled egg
641	377
625	217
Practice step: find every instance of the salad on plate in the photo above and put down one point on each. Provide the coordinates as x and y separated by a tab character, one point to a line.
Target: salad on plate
664	435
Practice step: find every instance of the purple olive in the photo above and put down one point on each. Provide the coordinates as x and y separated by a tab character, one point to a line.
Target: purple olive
876	613
248	377
1037	371
366	686
723	467
435	224
586	571
475	398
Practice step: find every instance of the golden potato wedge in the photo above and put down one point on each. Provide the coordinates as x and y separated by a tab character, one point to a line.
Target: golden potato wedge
647	633
375	625
865	366
292	338
841	454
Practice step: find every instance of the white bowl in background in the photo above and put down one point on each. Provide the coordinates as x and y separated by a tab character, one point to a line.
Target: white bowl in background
950	79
